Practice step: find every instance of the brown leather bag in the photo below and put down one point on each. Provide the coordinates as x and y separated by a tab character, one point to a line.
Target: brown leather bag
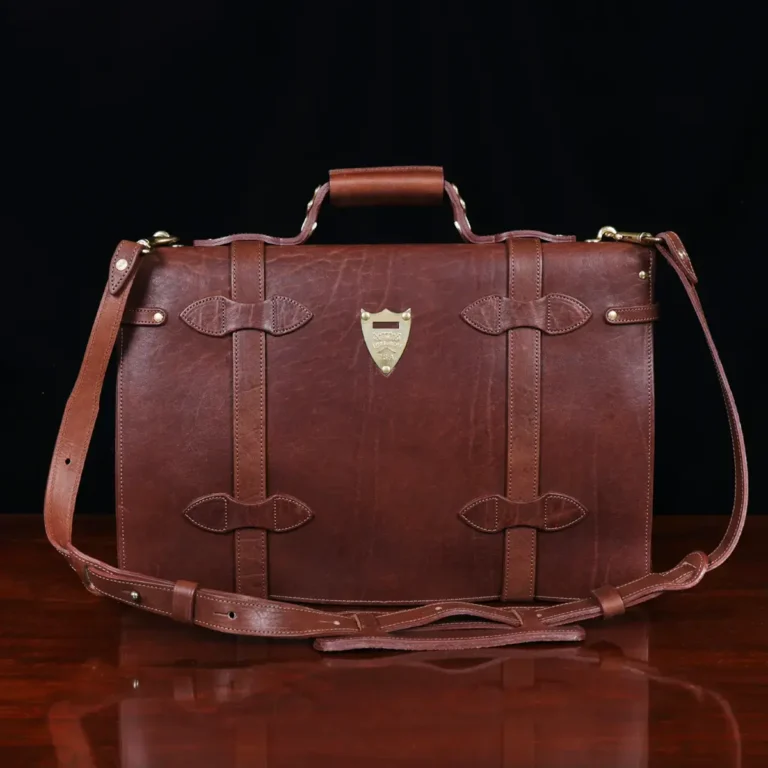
390	446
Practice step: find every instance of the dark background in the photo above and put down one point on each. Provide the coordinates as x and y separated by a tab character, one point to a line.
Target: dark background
123	118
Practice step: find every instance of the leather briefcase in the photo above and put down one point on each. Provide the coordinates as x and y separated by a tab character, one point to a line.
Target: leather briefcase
389	446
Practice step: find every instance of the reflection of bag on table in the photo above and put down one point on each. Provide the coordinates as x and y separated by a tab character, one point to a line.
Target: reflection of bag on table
189	701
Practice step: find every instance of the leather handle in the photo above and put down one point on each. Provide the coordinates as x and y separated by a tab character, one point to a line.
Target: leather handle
416	628
402	185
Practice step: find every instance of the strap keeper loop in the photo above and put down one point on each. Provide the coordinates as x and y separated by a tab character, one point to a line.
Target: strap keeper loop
183	601
611	602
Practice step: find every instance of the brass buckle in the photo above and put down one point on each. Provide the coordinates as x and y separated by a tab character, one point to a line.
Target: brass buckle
158	239
611	233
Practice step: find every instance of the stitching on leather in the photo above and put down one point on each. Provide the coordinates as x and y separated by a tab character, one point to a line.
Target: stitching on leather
236	412
130	602
498	301
476	503
485	613
305	315
269	632
637	314
258	603
220	302
570	500
510	406
649	471
203	500
535	479
496	512
465	314
333	601
120	489
262	418
569	299
143	316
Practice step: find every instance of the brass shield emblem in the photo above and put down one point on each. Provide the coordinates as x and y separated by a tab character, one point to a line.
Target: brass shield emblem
386	334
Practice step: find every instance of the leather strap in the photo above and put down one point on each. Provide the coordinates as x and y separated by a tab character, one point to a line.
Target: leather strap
403	185
406	629
525	277
249	420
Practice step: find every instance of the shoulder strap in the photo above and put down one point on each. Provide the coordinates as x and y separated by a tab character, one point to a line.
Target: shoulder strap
407	629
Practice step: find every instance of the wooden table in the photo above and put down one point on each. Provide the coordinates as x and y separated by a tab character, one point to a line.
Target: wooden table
88	682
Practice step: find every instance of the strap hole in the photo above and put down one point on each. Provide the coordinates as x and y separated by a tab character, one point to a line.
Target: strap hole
67	461
232	615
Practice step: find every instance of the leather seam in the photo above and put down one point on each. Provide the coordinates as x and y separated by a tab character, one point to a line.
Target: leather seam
333	601
120	446
649	375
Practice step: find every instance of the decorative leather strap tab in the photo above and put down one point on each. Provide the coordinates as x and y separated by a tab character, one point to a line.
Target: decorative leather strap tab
219	316
249	381
552	314
645	313
220	513
526	268
406	185
145	316
550	512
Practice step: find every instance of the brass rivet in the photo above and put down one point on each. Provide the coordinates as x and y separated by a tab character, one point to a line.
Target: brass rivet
336	623
386	369
407	315
135	596
613	315
643	275
158	317
135	684
121	265
365	315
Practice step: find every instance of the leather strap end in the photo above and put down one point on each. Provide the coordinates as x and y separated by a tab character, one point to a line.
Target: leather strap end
183	601
404	185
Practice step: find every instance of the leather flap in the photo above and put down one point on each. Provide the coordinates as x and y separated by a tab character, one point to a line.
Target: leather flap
219	316
550	512
552	314
220	513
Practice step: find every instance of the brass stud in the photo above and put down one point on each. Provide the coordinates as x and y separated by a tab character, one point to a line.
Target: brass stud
135	684
121	265
643	275
613	315
135	596
407	314
386	369
158	317
161	233
365	315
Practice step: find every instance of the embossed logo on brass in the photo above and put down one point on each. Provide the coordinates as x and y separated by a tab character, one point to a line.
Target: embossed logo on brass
386	334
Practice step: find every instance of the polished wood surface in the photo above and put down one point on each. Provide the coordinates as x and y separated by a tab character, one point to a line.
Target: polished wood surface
88	682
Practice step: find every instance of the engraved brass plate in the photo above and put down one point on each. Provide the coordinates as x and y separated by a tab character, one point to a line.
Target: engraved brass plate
386	334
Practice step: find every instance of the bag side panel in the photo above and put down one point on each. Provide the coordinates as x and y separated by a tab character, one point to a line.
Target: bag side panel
597	421
174	422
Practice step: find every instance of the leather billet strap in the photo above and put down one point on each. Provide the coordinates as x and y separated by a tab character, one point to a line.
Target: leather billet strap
408	629
249	421
525	262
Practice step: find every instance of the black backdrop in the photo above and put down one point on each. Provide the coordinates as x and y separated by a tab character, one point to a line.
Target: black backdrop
123	118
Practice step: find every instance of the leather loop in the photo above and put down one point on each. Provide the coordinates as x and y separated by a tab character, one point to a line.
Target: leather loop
406	185
611	603
626	315
183	601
